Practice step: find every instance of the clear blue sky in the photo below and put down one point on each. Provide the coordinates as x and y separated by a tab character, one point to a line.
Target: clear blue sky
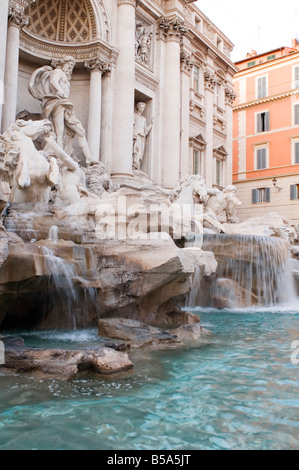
261	25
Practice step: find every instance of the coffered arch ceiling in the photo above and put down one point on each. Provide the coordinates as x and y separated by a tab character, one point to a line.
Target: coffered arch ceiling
59	27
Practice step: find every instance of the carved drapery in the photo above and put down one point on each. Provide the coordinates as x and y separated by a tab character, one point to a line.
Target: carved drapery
143	43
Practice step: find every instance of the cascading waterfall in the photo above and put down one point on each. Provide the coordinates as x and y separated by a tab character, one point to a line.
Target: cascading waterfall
74	293
252	271
62	278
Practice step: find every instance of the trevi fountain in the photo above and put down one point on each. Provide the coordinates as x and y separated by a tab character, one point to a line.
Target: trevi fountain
134	316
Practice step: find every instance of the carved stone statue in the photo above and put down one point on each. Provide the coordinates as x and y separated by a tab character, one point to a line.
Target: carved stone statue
32	173
51	86
143	43
140	132
225	202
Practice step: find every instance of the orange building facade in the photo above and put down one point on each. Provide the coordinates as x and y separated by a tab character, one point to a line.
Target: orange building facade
266	133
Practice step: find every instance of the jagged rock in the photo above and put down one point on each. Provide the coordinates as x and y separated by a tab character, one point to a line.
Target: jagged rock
190	333
136	333
64	364
272	225
145	280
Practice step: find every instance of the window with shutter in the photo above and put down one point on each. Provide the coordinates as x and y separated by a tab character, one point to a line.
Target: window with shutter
196	79
218	172
267	195
263	122
262	87
196	162
294	191
261	159
296	112
297	77
254	196
296	153
261	195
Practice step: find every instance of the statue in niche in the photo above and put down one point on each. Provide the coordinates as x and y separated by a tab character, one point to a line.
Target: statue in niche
143	43
51	86
140	133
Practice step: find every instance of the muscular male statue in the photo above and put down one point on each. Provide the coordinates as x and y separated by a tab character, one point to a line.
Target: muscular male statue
51	86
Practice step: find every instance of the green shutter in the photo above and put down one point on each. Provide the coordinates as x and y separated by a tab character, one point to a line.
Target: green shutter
296	77
296	113
267	194
255	196
296	153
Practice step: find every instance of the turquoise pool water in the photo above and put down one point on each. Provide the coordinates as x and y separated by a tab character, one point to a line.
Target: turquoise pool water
237	390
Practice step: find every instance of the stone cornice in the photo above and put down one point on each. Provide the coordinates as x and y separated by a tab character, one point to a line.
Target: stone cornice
146	79
266	100
81	52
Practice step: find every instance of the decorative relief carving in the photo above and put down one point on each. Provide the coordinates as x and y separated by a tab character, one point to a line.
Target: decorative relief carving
143	43
187	63
230	96
171	28
98	63
210	80
16	14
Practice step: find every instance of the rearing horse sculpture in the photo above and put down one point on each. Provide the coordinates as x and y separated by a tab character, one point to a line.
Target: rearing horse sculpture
31	173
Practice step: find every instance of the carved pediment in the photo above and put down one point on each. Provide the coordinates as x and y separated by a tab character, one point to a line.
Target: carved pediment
198	141
220	153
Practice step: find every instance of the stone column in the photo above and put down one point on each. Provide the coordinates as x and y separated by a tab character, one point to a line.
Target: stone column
186	71
210	84
107	118
3	35
123	113
173	30
16	20
230	97
97	67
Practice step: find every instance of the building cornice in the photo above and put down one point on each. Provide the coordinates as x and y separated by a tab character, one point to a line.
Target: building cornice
266	100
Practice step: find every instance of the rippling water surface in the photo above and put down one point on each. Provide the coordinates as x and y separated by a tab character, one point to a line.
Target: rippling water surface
237	390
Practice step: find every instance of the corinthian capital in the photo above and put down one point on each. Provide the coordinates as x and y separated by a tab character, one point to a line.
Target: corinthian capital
134	3
210	80
171	28
16	13
98	63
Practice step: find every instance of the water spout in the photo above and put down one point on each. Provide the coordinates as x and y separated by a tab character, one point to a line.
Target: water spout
54	234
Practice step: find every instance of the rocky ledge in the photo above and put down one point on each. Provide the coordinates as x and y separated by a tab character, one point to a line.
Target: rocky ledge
138	335
63	364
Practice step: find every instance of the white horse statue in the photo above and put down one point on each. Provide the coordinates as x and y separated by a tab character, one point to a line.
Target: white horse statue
31	174
190	190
